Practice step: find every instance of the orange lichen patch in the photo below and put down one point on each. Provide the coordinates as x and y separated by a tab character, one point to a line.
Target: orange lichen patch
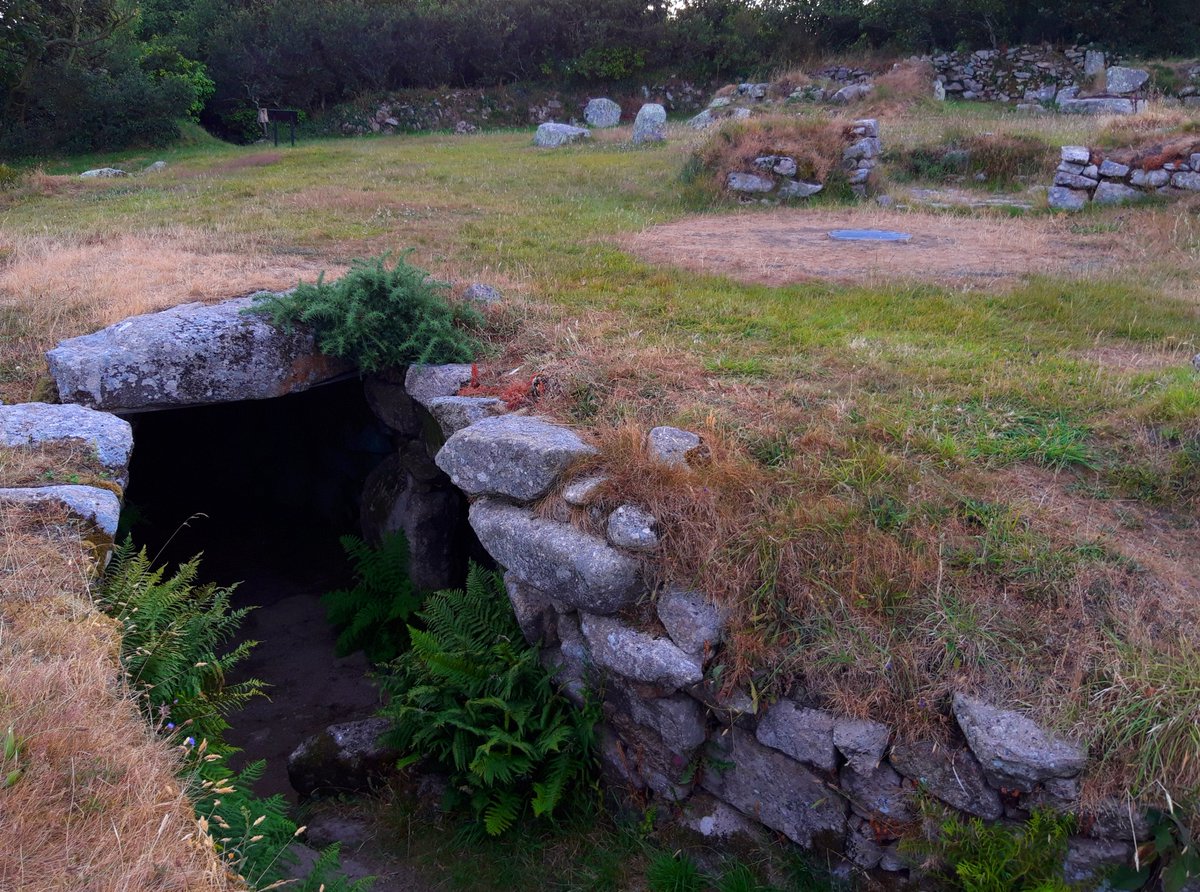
793	245
97	805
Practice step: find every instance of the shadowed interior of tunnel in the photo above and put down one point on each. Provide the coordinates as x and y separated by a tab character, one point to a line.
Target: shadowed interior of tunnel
264	490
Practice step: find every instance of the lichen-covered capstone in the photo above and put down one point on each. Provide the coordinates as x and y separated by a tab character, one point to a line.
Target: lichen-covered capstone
453	413
1012	749
551	136
556	558
428	382
189	355
34	424
514	456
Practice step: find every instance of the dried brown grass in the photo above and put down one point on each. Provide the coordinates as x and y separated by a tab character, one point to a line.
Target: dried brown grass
54	287
98	806
905	83
816	145
60	461
793	245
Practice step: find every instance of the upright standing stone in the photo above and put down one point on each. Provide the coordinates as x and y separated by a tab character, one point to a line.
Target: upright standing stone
650	124
602	113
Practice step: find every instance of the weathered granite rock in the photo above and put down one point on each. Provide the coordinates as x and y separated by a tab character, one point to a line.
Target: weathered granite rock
671	446
453	413
1120	80
851	93
1097	106
877	794
650	124
602	113
631	527
534	611
102	173
638	656
1063	199
1074	181
861	741
776	791
189	355
694	623
702	121
1113	169
481	293
100	507
748	182
428	512
862	848
952	775
1117	820
798	189
574	567
581	492
344	758
515	456
552	136
678	720
1012	750
780	164
1087	859
804	734
865	148
713	819
1150	179
1189	180
155	167
33	424
391	404
428	382
1093	63
1116	193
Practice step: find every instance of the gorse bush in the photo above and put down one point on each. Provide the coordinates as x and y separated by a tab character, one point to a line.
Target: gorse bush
174	653
379	316
373	616
977	857
472	696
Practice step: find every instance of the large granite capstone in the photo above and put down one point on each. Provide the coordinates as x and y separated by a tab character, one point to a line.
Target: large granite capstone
580	570
189	355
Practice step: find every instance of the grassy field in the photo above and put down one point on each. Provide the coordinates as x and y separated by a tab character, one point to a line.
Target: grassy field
920	483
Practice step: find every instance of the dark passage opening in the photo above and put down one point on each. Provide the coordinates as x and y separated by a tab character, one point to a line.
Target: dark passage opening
264	489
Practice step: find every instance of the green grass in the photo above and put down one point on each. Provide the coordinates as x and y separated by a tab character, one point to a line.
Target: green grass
892	554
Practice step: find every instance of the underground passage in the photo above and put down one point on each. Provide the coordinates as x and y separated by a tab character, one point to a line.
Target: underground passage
263	490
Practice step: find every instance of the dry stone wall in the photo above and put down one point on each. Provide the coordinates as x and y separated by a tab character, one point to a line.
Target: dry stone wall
720	762
1087	175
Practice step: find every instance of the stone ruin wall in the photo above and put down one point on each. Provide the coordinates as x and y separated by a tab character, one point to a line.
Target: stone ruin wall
1087	175
718	762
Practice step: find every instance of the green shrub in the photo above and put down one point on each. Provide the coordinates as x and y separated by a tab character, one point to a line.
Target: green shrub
10	177
977	857
379	317
472	696
373	615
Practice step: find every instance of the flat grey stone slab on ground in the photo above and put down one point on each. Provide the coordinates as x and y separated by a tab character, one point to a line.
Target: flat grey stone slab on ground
514	456
102	173
798	189
1013	750
637	655
556	558
602	113
482	294
33	424
343	758
194	354
776	791
650	125
97	506
551	136
748	182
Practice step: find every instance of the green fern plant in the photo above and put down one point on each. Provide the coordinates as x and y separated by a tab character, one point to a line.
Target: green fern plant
175	632
472	696
980	857
379	316
373	615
